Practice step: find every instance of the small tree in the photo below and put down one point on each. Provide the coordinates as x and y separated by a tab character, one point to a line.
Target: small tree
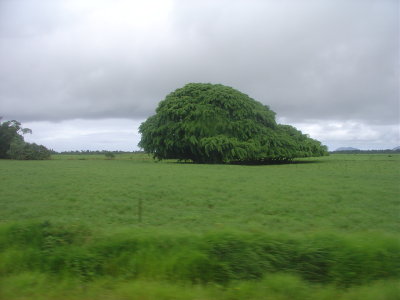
218	124
109	155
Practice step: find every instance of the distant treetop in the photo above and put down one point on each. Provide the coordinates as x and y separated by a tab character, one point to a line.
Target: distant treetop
213	123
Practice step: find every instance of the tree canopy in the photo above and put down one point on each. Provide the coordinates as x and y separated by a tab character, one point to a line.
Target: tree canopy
213	123
12	144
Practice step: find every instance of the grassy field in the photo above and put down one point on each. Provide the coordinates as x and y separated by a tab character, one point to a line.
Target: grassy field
83	227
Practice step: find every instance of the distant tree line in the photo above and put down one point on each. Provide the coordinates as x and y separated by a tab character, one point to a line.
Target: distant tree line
13	145
95	152
385	151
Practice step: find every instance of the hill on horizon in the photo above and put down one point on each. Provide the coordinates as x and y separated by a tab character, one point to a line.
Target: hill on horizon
347	149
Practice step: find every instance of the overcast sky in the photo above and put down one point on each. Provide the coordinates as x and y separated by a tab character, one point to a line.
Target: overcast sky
85	74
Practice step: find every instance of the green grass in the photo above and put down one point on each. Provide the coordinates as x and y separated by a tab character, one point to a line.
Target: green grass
326	227
341	193
36	286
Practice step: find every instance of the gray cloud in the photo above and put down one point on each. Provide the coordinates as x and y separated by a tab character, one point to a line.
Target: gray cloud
104	134
309	60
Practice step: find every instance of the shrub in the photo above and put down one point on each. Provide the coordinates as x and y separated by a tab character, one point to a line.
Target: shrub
109	155
27	151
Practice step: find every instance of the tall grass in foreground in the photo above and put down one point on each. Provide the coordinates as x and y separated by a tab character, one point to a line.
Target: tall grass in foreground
221	258
39	286
42	261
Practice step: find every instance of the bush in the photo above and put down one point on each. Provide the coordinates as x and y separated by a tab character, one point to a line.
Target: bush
109	155
27	151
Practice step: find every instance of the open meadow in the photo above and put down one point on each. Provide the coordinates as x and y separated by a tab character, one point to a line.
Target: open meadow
87	227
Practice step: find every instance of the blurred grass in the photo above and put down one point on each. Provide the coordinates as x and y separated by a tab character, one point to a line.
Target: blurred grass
212	257
37	286
324	228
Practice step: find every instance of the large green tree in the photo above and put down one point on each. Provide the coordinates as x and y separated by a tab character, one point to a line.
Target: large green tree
213	123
